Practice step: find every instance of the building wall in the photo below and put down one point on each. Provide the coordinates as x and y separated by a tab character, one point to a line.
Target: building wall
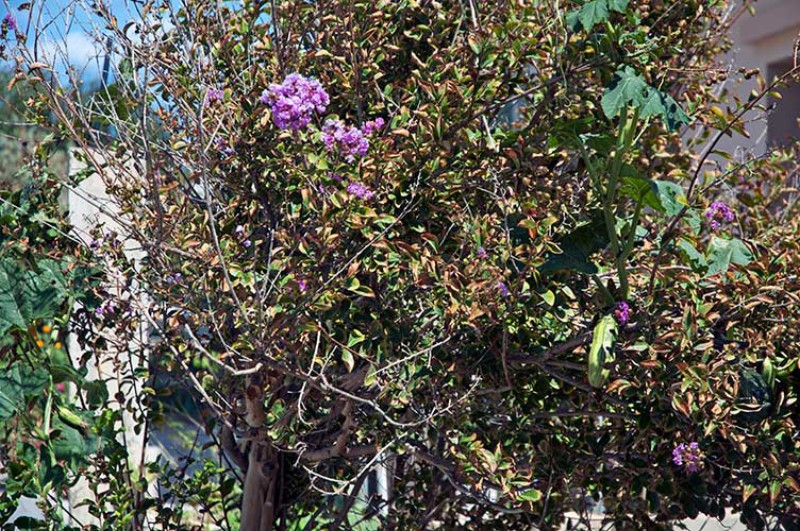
765	41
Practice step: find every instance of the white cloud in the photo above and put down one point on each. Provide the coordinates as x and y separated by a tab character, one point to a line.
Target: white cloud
76	51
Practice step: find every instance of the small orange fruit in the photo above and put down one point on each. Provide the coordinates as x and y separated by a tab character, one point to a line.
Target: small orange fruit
58	344
39	343
46	329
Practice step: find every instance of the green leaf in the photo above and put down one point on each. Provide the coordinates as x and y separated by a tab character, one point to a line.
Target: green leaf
602	350
530	495
627	87
349	361
660	104
694	256
10	397
549	297
578	246
26	296
723	252
592	13
618	5
17	384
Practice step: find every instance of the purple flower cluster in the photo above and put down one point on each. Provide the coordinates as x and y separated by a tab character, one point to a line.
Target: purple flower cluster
294	101
349	141
359	190
240	235
622	312
10	22
372	126
174	278
106	309
224	147
688	456
214	95
501	286
482	254
719	213
302	285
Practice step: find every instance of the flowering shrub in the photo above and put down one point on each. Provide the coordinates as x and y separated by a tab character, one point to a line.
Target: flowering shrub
294	101
446	290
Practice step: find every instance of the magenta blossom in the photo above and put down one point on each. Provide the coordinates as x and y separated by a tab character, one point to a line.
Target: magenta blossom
372	126
719	213
359	190
501	286
10	22
294	101
688	456
214	95
302	285
347	140
622	312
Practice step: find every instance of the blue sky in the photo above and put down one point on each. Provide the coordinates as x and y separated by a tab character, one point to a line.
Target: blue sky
69	38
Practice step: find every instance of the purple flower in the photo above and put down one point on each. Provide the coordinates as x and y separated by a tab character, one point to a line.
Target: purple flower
10	22
106	309
294	101
688	456
719	213
482	253
224	147
372	126
214	95
622	312
336	177
359	190
239	231
349	141
174	278
503	288
246	244
302	285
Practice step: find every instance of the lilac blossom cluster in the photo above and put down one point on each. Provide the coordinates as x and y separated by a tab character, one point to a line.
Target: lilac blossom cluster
214	95
240	235
106	309
719	213
224	147
359	190
501	286
688	456
349	141
294	101
174	278
622	312
10	22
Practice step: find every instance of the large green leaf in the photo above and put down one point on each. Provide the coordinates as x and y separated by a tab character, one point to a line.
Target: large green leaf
660	104
578	246
628	88
594	12
723	252
18	384
27	296
694	256
602	350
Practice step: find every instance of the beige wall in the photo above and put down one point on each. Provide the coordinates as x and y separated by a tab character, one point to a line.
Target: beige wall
765	41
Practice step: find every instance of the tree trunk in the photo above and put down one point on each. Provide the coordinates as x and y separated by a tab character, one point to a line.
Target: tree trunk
260	486
263	467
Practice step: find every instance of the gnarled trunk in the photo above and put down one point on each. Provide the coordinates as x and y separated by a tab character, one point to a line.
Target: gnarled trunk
260	487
